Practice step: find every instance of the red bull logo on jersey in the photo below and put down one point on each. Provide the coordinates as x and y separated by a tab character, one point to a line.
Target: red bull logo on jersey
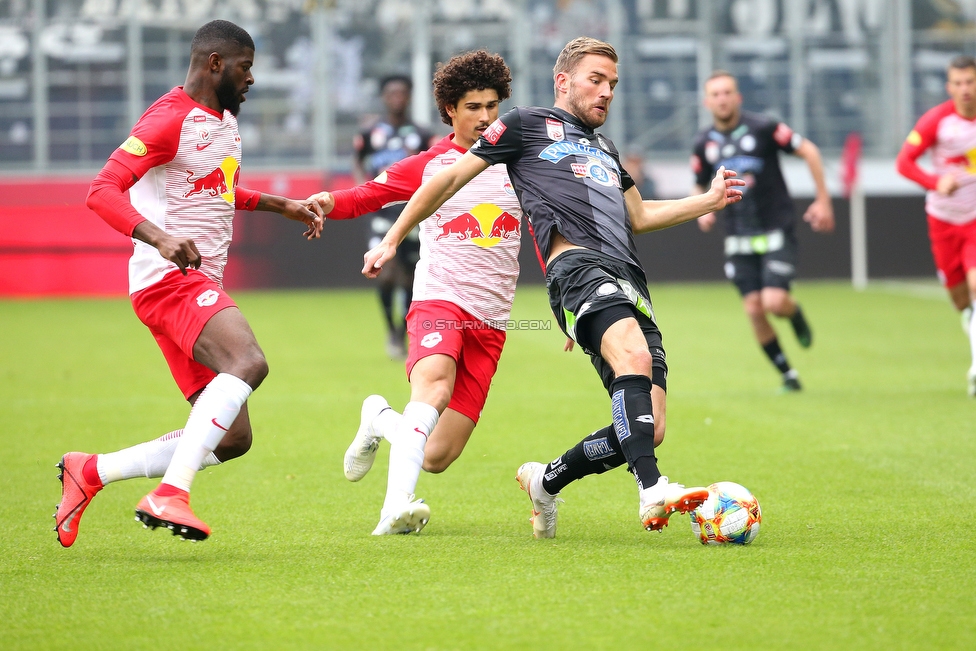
465	226
967	161
485	225
220	181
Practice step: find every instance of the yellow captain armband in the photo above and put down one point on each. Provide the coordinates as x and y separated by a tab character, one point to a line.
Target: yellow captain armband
134	146
914	138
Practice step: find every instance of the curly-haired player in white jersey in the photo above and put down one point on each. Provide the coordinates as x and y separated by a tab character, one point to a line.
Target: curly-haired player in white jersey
949	130
181	167
462	295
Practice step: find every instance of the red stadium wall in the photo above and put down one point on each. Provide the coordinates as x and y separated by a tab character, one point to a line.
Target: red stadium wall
52	244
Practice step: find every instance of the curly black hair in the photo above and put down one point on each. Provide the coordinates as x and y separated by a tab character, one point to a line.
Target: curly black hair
478	70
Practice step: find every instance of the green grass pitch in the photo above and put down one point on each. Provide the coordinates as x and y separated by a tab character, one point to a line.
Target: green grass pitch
866	480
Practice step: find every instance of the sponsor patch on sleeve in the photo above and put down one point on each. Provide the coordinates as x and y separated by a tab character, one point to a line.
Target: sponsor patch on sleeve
134	146
696	165
494	132
782	134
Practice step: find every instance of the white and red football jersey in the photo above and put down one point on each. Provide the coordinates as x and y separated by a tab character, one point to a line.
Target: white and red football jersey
469	248
187	158
952	140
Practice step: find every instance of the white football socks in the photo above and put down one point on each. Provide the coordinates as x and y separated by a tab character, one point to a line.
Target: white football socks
385	422
407	441
211	417
149	459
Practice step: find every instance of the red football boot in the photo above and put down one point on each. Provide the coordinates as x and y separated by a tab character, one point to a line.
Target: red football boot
172	512
76	495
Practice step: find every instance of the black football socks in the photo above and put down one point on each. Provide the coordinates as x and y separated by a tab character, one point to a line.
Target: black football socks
629	439
597	453
802	329
776	356
633	422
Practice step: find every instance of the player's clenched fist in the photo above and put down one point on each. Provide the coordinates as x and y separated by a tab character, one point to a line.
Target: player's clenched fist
180	251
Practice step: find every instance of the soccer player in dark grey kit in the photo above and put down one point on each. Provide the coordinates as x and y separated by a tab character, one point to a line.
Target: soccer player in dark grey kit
760	243
584	210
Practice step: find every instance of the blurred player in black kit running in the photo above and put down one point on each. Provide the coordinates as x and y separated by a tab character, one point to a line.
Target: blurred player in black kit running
388	141
760	243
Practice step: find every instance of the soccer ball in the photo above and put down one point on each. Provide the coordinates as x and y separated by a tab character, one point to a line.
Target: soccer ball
731	514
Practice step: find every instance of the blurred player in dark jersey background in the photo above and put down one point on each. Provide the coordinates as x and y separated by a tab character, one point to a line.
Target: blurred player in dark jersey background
760	242
391	139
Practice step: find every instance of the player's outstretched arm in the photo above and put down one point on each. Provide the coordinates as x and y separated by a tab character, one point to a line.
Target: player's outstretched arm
820	214
395	185
307	212
431	196
646	216
706	221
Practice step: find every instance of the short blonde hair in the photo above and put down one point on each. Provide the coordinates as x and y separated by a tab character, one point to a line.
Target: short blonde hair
578	48
718	74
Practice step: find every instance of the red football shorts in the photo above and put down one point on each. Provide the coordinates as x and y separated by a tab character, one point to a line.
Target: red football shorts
175	309
953	248
443	328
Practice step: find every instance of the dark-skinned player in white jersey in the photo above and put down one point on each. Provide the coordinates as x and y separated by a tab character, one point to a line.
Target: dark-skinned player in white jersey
180	168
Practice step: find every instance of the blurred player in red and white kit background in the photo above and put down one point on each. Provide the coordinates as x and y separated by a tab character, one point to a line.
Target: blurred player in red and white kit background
949	131
181	168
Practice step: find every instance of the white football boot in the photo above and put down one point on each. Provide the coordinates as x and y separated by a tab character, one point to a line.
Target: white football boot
971	379
409	518
658	502
362	451
544	505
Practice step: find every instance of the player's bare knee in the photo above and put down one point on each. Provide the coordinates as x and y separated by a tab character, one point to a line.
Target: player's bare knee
254	368
438	458
437	465
639	360
235	443
436	393
754	308
780	306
